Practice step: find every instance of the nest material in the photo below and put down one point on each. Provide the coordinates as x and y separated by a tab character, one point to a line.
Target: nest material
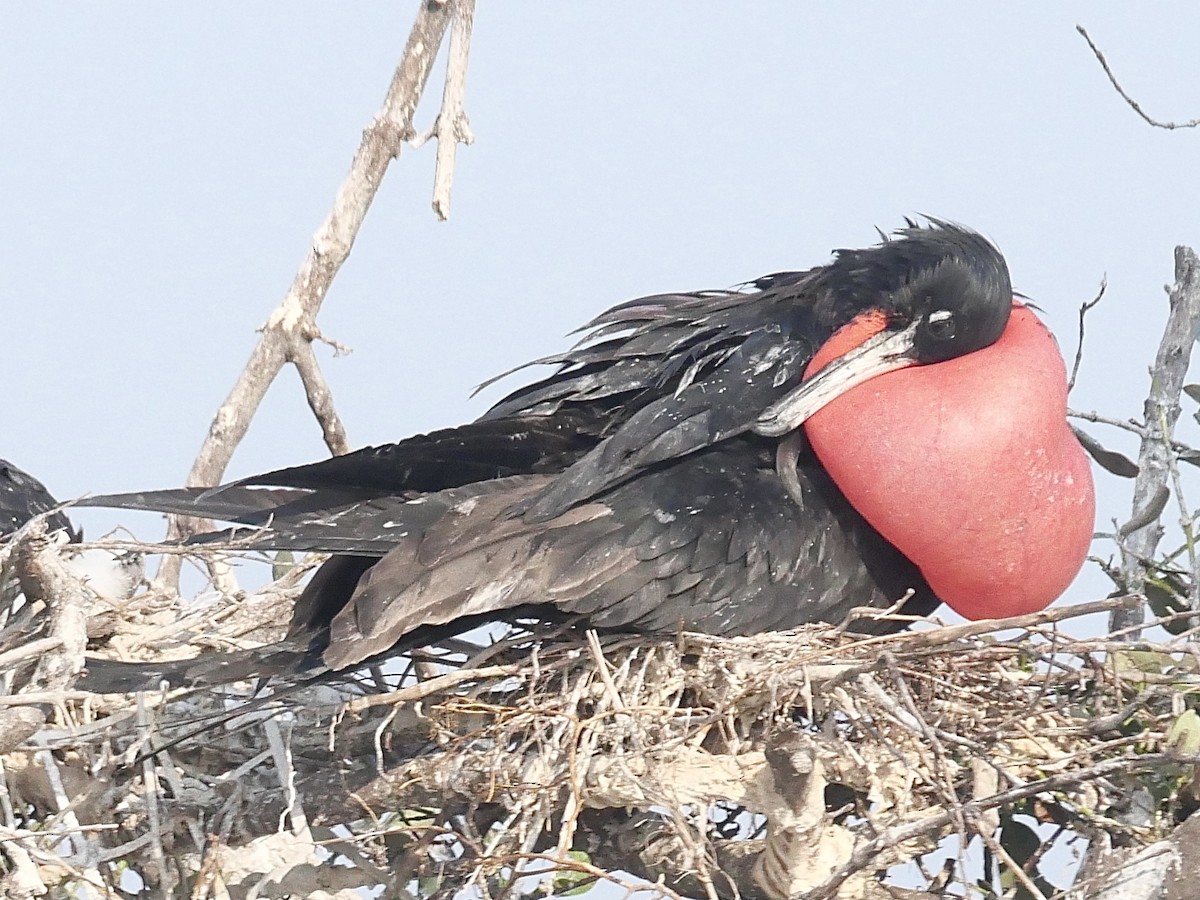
813	761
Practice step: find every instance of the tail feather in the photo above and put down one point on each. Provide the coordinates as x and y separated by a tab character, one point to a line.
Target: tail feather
243	505
284	519
286	658
376	526
447	458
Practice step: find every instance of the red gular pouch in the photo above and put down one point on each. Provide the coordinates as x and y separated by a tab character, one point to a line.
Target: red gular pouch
967	466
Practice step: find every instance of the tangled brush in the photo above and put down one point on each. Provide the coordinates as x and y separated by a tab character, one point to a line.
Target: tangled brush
825	762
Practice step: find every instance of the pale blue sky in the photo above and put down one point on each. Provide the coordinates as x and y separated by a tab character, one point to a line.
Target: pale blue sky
163	169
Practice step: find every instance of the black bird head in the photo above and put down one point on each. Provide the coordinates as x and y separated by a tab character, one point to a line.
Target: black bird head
925	295
949	281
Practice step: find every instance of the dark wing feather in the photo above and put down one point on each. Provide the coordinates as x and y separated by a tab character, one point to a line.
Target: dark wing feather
450	457
684	372
22	497
722	404
374	526
246	506
728	552
657	334
345	504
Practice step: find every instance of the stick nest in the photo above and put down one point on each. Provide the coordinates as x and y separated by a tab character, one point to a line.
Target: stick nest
815	761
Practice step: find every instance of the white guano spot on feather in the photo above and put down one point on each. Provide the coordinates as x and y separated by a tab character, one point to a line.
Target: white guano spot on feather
767	359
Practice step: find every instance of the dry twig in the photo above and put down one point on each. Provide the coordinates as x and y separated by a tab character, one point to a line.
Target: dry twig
451	126
1084	308
1133	104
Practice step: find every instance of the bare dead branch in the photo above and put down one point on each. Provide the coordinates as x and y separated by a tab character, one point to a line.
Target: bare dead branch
424	689
291	328
35	648
292	324
1133	104
1161	412
451	126
951	633
320	398
45	579
802	848
25	880
1185	522
1124	424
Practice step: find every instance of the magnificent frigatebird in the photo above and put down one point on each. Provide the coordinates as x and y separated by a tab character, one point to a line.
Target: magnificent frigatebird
728	462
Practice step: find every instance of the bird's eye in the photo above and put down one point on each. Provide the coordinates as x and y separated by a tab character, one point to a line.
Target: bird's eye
940	325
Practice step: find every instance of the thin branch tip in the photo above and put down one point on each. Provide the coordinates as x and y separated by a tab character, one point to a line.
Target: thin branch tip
1133	104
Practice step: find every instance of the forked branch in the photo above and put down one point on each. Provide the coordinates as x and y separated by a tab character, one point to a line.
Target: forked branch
289	332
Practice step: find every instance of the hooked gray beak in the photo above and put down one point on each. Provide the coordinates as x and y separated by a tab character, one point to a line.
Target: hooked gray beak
884	352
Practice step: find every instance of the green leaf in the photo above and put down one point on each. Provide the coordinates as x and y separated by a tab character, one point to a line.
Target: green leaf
428	886
572	884
1166	597
1110	460
1152	662
283	563
1184	734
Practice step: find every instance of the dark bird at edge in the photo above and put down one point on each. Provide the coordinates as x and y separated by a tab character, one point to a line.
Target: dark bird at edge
113	576
22	497
725	461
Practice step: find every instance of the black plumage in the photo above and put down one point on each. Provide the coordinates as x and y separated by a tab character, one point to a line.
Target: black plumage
637	486
22	497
